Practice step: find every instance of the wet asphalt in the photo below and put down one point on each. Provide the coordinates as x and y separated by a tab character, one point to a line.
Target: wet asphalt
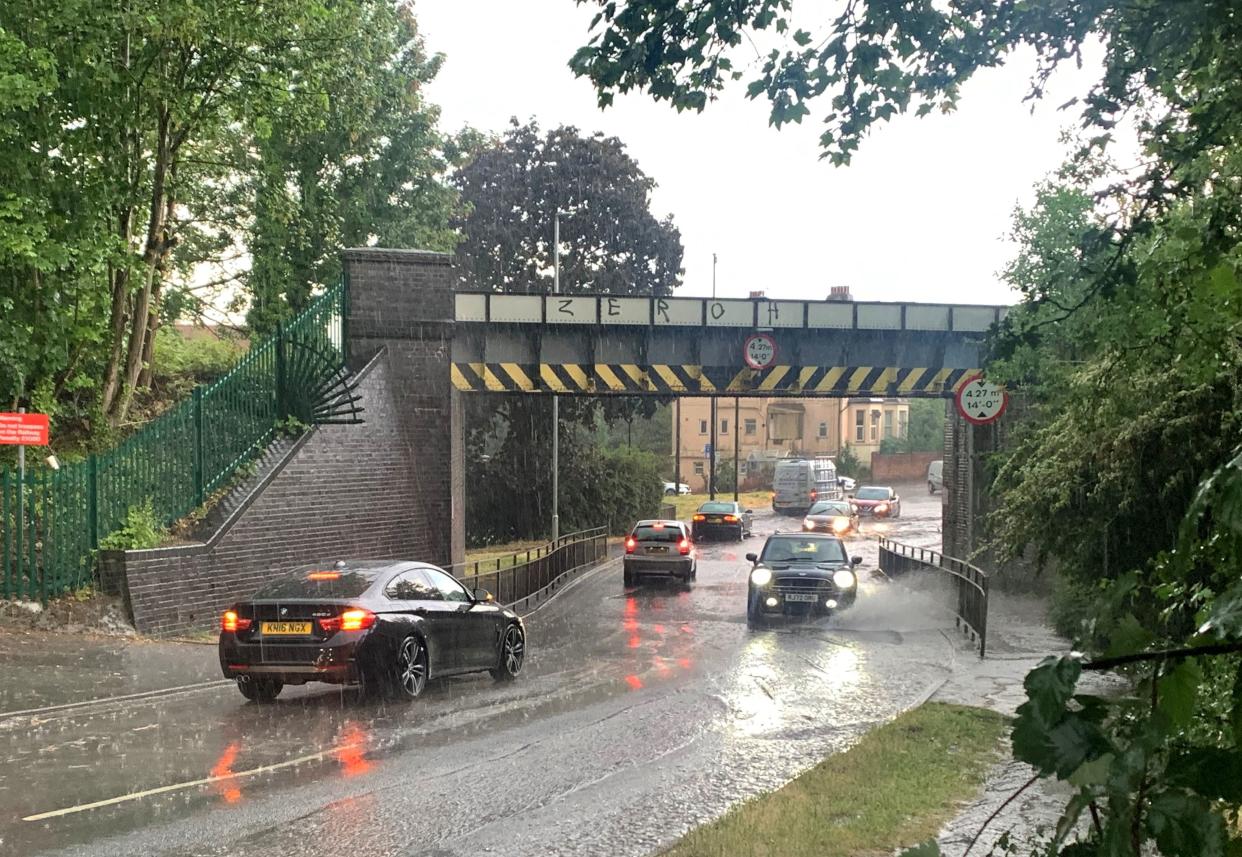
641	712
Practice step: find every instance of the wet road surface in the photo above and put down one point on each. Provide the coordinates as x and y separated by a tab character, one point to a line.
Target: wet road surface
640	713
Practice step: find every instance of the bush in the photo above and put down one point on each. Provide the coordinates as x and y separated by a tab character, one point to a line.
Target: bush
140	531
199	359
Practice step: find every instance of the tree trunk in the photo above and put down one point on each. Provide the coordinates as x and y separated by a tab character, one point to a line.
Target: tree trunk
152	256
116	330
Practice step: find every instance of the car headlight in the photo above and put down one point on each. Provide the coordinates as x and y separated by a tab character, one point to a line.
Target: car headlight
808	524
761	576
883	507
844	579
840	524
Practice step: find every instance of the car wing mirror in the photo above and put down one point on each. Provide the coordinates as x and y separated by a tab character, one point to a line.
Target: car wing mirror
752	557
483	596
856	560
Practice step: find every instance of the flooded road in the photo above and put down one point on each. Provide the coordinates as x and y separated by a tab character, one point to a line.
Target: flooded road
641	712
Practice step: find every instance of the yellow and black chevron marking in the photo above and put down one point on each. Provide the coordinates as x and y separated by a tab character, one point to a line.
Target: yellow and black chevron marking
610	378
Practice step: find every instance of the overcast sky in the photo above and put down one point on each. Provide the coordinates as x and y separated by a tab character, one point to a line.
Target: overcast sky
921	214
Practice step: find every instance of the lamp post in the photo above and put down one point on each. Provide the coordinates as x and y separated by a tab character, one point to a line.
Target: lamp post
556	402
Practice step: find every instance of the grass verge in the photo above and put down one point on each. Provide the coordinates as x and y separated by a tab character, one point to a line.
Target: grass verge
894	788
687	504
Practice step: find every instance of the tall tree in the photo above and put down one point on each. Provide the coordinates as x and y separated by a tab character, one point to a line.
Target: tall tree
363	162
610	242
138	140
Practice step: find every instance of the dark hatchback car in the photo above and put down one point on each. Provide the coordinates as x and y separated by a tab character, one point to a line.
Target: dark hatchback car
721	519
387	626
803	574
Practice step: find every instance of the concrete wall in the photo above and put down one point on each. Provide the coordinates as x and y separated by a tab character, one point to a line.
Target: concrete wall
902	466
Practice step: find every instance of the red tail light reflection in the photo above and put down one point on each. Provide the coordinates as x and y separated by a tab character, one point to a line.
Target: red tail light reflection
222	771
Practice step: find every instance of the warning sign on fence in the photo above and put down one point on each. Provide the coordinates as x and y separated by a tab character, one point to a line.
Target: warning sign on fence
23	429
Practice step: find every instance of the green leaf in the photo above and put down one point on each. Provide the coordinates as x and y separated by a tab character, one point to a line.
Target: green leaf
1050	685
1225	619
1211	772
1093	772
1128	637
1185	825
1177	691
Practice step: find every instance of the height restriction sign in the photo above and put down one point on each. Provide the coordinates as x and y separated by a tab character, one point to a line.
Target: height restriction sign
981	401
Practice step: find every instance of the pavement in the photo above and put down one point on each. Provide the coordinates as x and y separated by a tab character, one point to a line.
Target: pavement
641	712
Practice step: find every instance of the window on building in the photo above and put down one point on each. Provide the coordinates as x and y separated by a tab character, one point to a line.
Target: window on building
888	423
823	429
741	467
903	423
860	425
875	426
698	468
724	426
751	426
702	426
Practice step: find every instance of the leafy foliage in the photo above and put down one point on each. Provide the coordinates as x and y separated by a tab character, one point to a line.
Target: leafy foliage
141	142
140	531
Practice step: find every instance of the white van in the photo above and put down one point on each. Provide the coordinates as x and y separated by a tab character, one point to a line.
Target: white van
935	477
798	483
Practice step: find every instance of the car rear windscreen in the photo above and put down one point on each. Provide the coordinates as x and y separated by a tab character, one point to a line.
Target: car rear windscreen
319	584
657	534
717	508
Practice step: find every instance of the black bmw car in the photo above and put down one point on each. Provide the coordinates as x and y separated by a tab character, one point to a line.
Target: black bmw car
387	626
800	574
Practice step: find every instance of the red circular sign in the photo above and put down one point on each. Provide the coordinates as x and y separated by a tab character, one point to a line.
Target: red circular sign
759	352
980	401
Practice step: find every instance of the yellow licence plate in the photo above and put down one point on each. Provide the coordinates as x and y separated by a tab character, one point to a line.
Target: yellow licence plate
285	627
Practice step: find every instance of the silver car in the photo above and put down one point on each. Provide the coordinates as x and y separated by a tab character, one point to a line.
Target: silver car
659	548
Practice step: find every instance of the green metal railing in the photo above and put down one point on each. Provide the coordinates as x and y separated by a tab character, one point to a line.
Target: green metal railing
178	459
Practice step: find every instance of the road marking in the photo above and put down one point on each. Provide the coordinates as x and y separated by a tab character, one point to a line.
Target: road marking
189	784
103	700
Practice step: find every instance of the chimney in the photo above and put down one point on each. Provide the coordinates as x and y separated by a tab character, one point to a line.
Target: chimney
840	293
755	296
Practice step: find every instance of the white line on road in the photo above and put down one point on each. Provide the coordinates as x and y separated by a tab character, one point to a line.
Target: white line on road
69	706
189	784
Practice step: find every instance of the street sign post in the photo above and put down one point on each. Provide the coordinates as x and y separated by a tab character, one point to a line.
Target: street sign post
21	429
981	401
759	352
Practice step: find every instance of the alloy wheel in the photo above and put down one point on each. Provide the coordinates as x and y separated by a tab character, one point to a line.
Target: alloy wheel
412	668
514	650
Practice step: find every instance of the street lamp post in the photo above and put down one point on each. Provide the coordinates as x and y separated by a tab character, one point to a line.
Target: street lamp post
556	402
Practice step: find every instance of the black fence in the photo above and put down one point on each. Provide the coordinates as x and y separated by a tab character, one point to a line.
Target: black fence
534	573
967	584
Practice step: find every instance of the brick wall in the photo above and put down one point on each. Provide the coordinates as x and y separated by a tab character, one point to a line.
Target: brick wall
902	466
343	492
390	487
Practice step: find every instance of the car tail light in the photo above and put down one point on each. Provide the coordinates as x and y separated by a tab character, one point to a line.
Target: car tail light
684	547
353	619
657	526
357	620
324	575
699	518
630	544
732	519
230	621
